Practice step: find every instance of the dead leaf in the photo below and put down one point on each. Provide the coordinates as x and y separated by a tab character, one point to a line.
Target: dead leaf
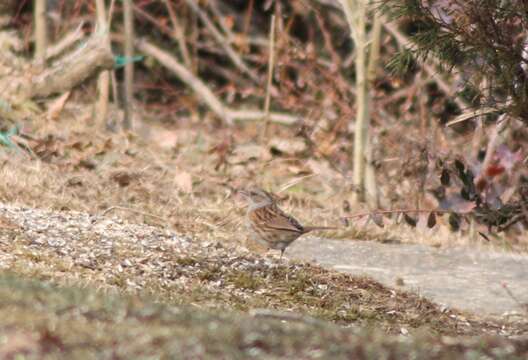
74	181
183	182
246	152
48	147
321	168
288	146
89	164
431	220
17	343
409	220
222	150
124	178
56	106
6	223
454	221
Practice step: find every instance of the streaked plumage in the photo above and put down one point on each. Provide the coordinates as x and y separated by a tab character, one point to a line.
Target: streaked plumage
269	225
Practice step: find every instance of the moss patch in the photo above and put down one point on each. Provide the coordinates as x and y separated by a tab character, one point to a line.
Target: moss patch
43	321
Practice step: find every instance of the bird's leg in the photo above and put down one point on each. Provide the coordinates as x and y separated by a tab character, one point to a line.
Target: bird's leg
282	253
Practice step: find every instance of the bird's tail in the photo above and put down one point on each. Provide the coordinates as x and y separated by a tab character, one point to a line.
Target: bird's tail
316	228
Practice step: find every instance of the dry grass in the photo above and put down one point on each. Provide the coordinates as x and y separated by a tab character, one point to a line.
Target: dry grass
171	175
207	278
42	321
109	254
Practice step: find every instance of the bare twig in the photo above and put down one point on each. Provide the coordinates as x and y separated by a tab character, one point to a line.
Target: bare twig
112	208
247	17
278	118
187	77
356	14
472	114
295	181
396	211
151	19
178	34
213	5
223	42
284	315
111	13
407	43
100	110
267	101
197	85
493	142
111	123
129	65
41	30
64	43
371	186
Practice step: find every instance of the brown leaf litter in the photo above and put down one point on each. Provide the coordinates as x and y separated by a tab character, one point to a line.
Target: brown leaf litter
109	253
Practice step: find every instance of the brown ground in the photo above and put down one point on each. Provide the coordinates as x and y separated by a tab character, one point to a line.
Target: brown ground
167	180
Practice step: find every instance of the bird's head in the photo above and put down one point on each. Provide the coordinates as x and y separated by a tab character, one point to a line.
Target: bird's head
257	197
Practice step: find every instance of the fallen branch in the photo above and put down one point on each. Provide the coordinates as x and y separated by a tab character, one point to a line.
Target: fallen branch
64	43
187	77
26	81
72	69
211	100
277	118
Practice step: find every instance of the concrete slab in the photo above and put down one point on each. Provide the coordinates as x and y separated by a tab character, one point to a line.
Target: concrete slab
463	278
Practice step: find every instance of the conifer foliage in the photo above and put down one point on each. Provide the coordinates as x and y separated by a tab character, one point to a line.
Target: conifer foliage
485	42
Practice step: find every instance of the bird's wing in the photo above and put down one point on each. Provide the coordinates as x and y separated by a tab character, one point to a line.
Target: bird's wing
274	218
285	222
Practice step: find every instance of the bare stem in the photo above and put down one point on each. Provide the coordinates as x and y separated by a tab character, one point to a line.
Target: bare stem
271	58
129	66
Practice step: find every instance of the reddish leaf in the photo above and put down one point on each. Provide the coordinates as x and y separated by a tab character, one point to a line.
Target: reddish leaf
481	184
494	170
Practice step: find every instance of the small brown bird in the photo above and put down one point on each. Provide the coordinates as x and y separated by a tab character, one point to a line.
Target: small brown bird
269	225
